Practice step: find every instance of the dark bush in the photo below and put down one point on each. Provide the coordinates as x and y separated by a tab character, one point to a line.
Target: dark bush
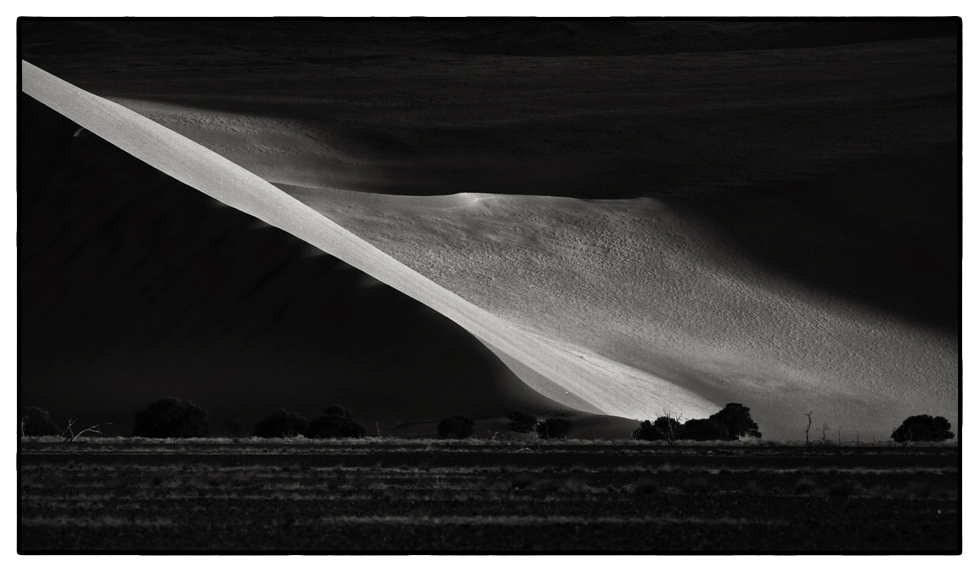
282	423
703	430
923	428
645	432
668	427
657	431
335	423
36	422
456	427
737	419
554	428
171	418
521	422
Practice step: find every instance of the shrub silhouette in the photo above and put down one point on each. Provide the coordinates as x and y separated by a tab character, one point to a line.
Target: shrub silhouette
36	422
282	423
737	419
704	430
335	423
456	427
646	432
923	428
521	422
554	428
171	418
665	428
732	422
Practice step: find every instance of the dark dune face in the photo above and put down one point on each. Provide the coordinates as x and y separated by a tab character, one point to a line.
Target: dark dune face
827	151
133	287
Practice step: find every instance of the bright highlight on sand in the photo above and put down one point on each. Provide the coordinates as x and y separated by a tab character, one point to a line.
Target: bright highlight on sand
619	307
563	374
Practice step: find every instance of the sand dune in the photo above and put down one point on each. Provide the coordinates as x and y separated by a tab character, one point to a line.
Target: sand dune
568	370
651	294
132	286
627	306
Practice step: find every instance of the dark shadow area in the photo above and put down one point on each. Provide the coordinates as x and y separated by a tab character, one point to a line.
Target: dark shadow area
885	232
526	37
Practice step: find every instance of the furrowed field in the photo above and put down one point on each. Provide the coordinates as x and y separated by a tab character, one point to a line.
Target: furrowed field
117	495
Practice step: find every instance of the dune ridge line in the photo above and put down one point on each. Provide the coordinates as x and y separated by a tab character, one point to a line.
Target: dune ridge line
560	373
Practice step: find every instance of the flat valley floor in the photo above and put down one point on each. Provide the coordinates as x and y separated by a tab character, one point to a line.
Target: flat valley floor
485	496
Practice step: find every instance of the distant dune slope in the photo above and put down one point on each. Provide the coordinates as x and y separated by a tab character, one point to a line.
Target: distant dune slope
566	373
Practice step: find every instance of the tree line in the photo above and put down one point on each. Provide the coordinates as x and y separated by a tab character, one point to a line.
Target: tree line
172	418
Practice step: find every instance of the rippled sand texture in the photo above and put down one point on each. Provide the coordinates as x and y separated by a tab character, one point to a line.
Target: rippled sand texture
626	306
636	289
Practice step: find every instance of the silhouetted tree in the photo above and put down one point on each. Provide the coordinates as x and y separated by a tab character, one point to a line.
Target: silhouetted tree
282	423
70	434
704	430
171	418
554	428
923	428
335	423
521	422
646	432
456	427
737	419
665	428
35	422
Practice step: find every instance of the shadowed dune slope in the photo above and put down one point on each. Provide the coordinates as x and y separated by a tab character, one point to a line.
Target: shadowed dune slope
133	286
